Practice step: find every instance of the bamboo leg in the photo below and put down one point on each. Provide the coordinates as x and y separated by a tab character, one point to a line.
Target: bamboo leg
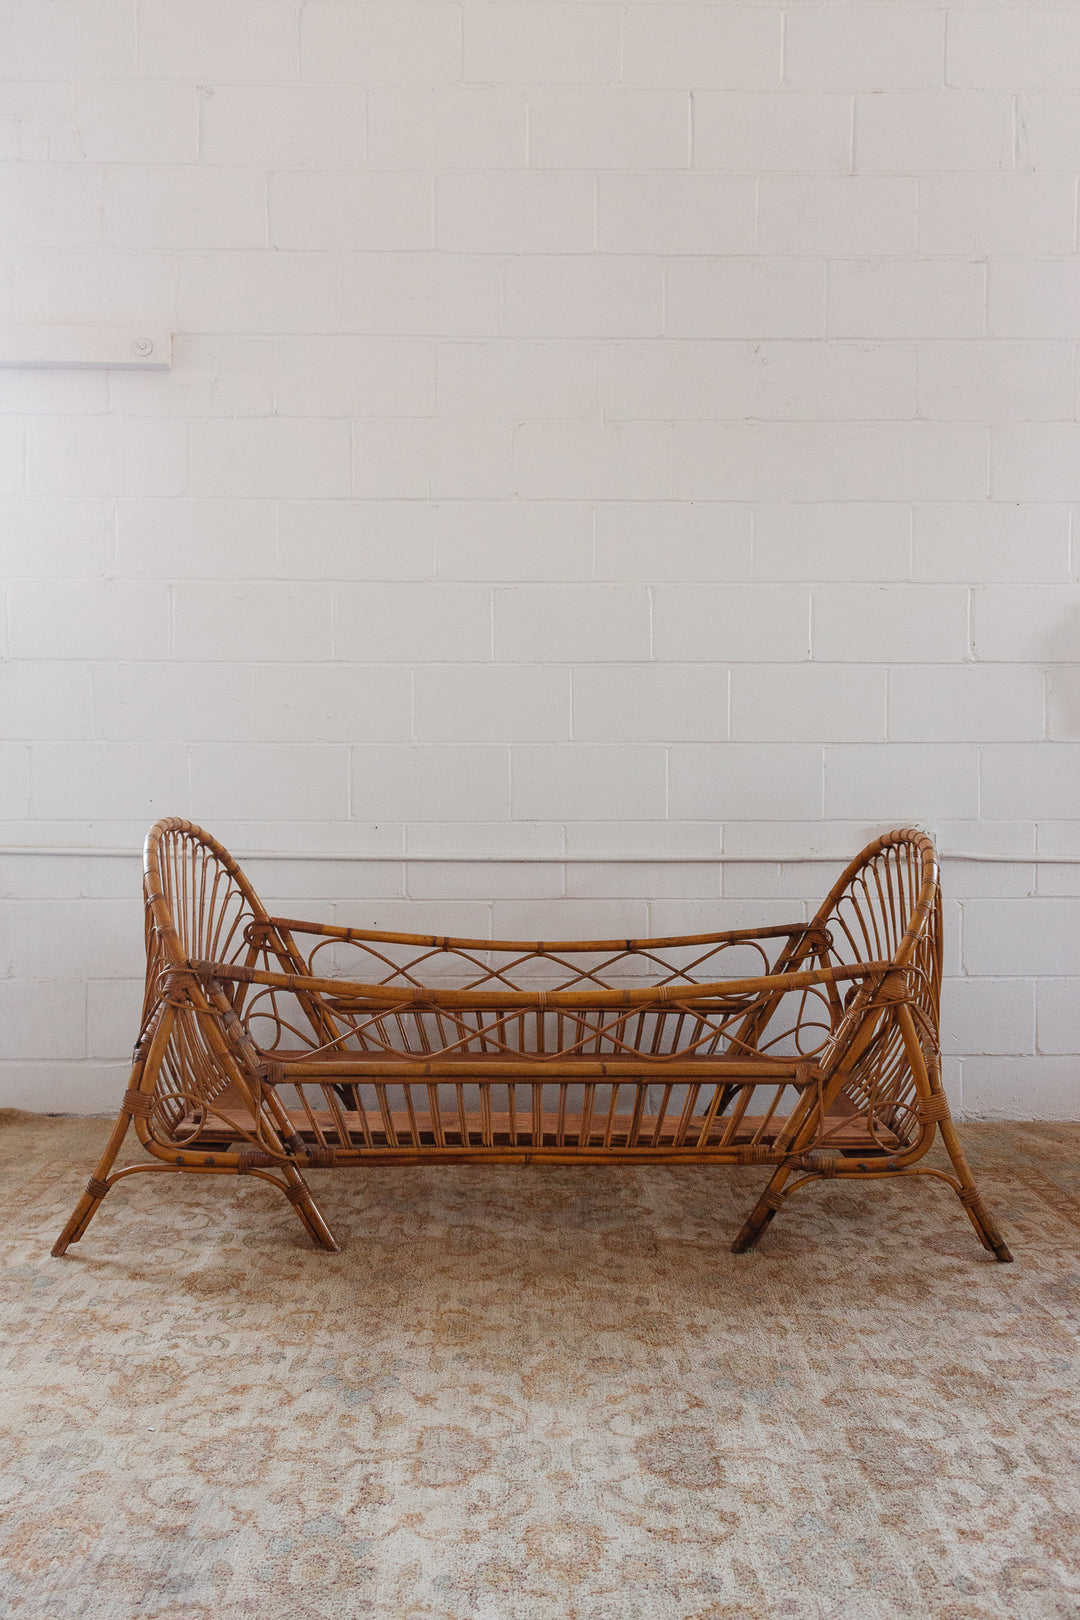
96	1188
986	1227
762	1213
980	1217
299	1195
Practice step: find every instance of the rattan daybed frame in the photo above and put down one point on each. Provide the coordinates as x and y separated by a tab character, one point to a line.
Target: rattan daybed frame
254	1059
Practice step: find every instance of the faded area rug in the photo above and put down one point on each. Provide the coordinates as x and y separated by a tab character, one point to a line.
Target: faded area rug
539	1394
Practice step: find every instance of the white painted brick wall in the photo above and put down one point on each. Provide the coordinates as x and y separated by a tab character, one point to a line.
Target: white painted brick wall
625	429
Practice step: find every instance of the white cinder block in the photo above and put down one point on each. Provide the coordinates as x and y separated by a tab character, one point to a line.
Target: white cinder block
992	542
71	940
15	801
43	1020
327	702
211	376
13	456
355	540
380	42
731	623
836	214
571	623
93	286
260	292
676	213
904	298
987	1016
106	618
743	781
583	461
1021	938
507	379
113	1012
518	540
1048	131
398	783
901	784
412	459
570	919
211	39
399	623
456	126
933	132
919	624
1031	45
270	456
877	48
117	121
842	381
1033	299
171	702
1035	461
895	461
807	703
459	880
584	783
729	48
1026	215
548	43
66	41
746	298
1030	779
302	781
436	294
85	781
36	123
1025	623
252	621
1019	1088
752	461
965	703
282	126
995	381
650	703
354	376
42	700
1057	1016
748	133
672	541
1062	702
849	541
188	206
514	213
351	211
97	455
492	703
651	381
50	205
609	129
602	296
66	536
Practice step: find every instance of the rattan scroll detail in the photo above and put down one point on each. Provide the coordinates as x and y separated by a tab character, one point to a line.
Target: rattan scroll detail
269	1045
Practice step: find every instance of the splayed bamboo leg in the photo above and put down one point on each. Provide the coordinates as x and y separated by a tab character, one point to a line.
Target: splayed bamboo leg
298	1193
762	1213
980	1217
98	1184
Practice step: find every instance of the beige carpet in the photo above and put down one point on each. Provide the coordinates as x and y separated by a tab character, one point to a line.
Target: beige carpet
539	1395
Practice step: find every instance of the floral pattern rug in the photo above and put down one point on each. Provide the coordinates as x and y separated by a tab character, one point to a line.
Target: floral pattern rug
538	1394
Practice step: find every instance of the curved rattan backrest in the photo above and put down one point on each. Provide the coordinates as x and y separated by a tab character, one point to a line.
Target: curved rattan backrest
199	903
886	907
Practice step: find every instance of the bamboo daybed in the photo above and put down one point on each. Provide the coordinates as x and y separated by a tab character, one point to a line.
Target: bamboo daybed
810	1049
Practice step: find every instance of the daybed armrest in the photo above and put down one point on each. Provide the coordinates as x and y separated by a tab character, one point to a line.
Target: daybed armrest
733	936
374	996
